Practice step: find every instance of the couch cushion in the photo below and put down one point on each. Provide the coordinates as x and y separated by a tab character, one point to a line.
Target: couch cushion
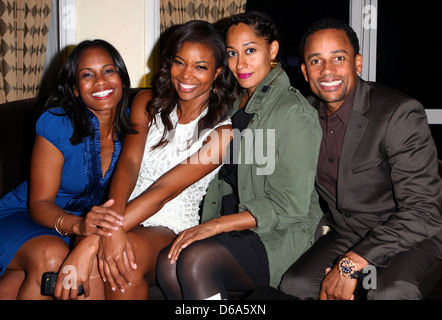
17	133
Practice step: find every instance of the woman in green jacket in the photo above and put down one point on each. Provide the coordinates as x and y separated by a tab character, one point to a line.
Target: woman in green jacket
260	213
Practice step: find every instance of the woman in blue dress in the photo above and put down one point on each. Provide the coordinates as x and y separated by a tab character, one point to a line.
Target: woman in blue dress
78	141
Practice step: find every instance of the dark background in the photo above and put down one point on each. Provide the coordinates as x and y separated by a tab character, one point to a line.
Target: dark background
409	43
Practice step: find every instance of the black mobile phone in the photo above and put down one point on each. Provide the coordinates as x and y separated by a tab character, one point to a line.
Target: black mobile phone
48	282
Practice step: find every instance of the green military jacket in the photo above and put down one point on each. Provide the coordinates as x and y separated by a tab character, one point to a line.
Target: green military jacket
276	172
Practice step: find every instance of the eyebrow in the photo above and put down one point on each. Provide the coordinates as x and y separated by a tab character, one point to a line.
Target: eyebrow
202	61
244	44
333	52
106	65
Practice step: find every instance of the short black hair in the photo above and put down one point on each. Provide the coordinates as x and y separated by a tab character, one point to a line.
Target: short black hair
330	23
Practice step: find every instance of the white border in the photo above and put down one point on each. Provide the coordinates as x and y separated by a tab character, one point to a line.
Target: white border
152	32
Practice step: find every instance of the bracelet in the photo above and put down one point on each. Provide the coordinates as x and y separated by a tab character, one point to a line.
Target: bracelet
58	222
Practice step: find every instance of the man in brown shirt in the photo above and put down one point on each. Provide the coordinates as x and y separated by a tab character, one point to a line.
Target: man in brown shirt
378	177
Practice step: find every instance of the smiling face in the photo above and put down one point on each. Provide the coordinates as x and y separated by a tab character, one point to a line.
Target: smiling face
192	73
331	66
249	56
98	83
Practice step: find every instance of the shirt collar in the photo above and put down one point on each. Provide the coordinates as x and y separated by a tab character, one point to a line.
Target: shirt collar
343	112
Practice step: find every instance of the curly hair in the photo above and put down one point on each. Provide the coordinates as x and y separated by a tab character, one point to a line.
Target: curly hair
64	97
165	98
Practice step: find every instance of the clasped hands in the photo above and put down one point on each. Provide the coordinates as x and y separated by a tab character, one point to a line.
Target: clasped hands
102	236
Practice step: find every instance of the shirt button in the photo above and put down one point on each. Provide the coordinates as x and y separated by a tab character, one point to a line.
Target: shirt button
347	214
332	131
330	160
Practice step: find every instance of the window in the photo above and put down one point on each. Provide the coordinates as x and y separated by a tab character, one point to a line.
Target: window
409	43
402	51
133	27
293	18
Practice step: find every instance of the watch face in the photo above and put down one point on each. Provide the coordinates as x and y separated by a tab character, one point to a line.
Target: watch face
347	267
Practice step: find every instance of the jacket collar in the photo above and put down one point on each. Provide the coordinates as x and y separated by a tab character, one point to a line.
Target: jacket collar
355	129
275	77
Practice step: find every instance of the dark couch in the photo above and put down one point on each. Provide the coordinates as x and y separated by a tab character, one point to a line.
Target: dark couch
17	133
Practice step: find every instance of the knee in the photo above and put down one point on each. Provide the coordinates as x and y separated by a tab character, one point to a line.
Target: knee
399	290
47	255
299	285
164	269
190	266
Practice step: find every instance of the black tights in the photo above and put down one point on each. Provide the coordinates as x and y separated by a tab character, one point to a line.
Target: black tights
204	269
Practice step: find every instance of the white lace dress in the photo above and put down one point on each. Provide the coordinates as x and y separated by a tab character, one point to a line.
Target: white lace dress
181	212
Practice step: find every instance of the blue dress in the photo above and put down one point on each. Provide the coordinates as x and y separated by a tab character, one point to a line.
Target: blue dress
82	184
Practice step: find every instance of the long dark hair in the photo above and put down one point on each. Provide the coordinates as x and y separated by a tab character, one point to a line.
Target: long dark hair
165	97
64	97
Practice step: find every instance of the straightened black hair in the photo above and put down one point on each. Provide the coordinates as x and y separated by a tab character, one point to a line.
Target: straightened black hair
326	24
64	97
261	24
165	97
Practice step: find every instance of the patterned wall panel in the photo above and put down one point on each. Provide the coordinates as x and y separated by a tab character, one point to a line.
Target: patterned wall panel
175	12
24	26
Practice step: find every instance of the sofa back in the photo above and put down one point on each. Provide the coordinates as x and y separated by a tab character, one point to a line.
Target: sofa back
17	134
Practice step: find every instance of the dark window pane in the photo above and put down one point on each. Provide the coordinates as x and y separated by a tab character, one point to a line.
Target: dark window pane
293	18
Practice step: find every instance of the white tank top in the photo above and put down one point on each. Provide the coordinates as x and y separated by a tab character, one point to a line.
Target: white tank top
182	212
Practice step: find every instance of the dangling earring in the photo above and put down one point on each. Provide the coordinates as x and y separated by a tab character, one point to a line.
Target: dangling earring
273	63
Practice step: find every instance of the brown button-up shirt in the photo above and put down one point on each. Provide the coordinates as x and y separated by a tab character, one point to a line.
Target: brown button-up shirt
333	129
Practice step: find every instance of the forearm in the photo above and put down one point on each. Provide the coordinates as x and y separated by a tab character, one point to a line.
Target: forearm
233	222
50	215
359	261
122	185
147	204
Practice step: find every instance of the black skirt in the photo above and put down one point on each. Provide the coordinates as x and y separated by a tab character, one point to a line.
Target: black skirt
245	246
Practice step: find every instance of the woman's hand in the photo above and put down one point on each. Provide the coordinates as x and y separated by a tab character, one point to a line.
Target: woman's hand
238	221
100	220
76	270
185	238
115	254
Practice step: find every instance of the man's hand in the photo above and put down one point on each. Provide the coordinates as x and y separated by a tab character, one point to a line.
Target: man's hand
338	287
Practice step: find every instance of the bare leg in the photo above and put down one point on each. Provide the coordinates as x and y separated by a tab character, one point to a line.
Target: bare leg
10	283
148	242
36	256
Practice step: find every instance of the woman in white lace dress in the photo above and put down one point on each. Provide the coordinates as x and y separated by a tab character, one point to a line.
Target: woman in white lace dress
182	133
